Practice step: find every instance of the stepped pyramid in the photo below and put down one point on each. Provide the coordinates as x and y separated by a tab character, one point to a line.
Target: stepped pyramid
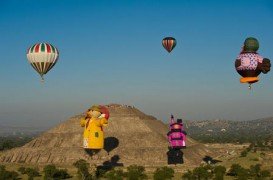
131	137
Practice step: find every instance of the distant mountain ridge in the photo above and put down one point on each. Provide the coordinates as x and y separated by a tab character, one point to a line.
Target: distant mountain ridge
260	127
18	130
230	131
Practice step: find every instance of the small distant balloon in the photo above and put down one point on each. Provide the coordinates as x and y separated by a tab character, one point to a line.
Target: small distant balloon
169	43
42	57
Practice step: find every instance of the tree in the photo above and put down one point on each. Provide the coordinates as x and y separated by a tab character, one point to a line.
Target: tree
234	169
239	171
100	172
31	172
83	171
244	153
4	174
135	172
7	144
22	170
114	174
61	174
260	143
202	173
219	172
265	173
2	168
188	175
255	170
163	173
243	174
250	147
49	171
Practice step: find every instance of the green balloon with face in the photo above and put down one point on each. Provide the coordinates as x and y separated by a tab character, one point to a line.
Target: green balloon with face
251	44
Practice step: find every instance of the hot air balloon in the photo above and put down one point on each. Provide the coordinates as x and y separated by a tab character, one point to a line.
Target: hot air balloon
249	64
94	121
105	111
169	43
42	57
177	141
176	135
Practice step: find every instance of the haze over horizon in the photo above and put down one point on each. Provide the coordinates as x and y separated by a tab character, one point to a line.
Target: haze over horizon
111	52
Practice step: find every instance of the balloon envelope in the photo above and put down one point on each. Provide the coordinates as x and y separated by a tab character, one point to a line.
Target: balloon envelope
42	57
169	43
105	111
249	64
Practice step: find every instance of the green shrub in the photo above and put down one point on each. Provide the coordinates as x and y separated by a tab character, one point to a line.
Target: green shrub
202	173
219	172
100	172
61	174
188	175
163	173
205	172
244	153
11	142
135	172
234	169
51	172
255	170
4	174
243	174
31	172
265	173
82	167
2	168
114	174
238	171
22	170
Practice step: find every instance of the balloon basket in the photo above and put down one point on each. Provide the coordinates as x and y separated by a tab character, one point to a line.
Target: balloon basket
42	80
249	80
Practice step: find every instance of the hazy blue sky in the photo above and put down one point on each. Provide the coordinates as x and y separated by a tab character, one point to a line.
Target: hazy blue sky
111	52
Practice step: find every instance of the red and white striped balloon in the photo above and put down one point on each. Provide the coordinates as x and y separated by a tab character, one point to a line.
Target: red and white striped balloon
42	57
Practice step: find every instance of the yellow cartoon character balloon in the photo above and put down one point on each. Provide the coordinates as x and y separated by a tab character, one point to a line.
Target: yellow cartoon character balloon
93	136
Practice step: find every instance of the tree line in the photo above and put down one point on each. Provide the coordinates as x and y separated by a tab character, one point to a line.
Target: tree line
13	141
51	172
135	172
258	139
219	172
